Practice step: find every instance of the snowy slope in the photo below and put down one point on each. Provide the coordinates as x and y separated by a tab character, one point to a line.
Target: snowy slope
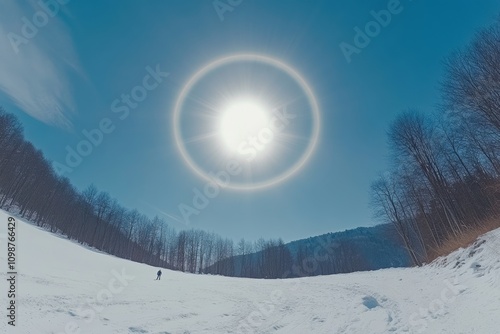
66	288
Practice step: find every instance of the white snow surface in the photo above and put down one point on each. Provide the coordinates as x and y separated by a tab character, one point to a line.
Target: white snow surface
63	287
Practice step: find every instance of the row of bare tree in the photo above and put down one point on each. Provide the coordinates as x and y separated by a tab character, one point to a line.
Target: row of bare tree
445	177
29	186
260	259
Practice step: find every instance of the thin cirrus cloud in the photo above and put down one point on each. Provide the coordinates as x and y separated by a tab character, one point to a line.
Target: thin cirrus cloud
34	73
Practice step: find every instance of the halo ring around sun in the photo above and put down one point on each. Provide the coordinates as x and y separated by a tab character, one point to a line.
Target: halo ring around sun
297	166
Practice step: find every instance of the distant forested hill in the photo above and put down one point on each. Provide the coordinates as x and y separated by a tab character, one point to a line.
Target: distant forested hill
360	249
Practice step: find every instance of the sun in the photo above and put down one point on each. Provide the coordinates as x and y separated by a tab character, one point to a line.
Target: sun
236	123
240	121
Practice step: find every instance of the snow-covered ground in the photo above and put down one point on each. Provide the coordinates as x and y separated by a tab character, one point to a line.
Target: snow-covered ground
65	288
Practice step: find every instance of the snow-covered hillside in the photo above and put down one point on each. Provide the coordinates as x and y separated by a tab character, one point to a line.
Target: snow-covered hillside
66	288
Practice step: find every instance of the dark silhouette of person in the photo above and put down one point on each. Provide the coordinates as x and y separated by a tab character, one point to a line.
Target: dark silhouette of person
158	275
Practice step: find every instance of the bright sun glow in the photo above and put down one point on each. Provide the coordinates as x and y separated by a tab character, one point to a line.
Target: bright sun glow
242	120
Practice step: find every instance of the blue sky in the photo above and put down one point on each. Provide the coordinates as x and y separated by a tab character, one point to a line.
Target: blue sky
64	78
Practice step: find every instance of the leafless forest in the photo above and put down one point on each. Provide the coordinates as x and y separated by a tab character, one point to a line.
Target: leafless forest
444	180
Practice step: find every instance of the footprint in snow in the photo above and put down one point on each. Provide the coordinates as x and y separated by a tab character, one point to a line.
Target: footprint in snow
370	302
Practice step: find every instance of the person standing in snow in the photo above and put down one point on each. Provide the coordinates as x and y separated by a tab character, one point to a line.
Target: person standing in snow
158	275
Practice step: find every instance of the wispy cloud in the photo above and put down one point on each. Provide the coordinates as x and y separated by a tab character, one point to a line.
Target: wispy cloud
170	216
34	67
